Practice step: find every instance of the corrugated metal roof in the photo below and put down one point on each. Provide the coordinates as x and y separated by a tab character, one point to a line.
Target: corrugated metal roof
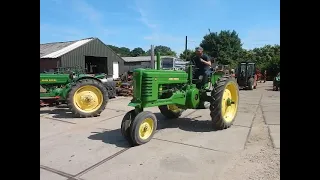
142	58
54	50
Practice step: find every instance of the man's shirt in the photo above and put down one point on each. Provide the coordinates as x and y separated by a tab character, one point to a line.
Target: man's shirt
200	64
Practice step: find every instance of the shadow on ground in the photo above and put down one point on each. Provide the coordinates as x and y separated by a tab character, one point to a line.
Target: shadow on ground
186	124
58	113
110	137
61	112
271	90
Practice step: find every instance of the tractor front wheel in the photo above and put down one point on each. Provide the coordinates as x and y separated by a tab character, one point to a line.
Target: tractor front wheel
143	128
125	125
224	104
87	98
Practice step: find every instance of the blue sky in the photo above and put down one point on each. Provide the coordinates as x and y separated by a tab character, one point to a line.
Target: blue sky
140	23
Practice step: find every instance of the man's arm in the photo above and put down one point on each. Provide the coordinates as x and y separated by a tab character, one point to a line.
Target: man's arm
206	60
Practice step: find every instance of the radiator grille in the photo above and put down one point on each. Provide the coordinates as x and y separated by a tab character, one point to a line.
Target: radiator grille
146	87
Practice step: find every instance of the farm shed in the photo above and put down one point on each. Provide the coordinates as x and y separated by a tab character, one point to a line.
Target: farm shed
90	53
131	63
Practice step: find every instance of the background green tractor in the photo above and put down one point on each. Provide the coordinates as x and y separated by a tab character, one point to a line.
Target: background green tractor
276	82
174	91
85	95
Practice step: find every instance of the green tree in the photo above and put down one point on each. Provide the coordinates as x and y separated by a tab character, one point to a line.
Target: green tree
268	58
137	52
122	51
164	51
190	54
225	46
114	48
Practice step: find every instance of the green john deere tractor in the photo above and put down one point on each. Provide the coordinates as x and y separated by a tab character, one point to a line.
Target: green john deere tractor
85	95
174	91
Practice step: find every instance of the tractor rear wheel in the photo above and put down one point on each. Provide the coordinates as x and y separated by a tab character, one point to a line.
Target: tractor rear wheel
111	88
251	84
224	103
171	111
143	128
87	98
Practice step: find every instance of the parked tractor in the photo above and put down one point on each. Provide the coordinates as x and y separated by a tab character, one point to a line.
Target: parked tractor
276	82
86	95
246	75
224	68
174	91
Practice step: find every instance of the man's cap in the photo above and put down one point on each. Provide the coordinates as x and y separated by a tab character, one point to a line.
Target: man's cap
199	49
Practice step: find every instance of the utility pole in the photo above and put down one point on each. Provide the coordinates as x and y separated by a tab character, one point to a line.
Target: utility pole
186	48
152	57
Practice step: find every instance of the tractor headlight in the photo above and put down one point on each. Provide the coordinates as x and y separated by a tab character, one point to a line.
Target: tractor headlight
200	77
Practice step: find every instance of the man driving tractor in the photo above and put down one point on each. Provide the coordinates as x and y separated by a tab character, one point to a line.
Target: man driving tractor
203	63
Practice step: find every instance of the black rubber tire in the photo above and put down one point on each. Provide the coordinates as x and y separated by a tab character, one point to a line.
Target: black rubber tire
206	104
111	88
215	106
166	112
125	125
114	90
135	125
251	84
79	84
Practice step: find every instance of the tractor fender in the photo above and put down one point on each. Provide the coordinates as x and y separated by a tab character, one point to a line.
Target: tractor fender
67	90
90	77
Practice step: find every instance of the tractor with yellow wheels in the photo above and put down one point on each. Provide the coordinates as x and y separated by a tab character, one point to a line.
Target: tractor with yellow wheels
174	91
85	95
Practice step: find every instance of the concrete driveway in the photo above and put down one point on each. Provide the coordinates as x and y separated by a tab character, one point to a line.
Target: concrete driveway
186	148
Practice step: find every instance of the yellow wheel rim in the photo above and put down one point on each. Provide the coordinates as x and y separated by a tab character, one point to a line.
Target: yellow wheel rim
146	128
88	99
174	108
229	102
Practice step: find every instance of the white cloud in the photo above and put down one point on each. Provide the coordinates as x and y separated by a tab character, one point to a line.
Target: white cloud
85	11
259	37
141	7
145	20
63	33
88	11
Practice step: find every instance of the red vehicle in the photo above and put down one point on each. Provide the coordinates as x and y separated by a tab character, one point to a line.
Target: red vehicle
259	75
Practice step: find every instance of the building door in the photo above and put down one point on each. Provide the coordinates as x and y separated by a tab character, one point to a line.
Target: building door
115	70
96	65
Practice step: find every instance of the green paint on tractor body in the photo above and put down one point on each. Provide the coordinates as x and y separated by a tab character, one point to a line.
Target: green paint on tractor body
174	91
64	86
55	85
59	84
150	84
